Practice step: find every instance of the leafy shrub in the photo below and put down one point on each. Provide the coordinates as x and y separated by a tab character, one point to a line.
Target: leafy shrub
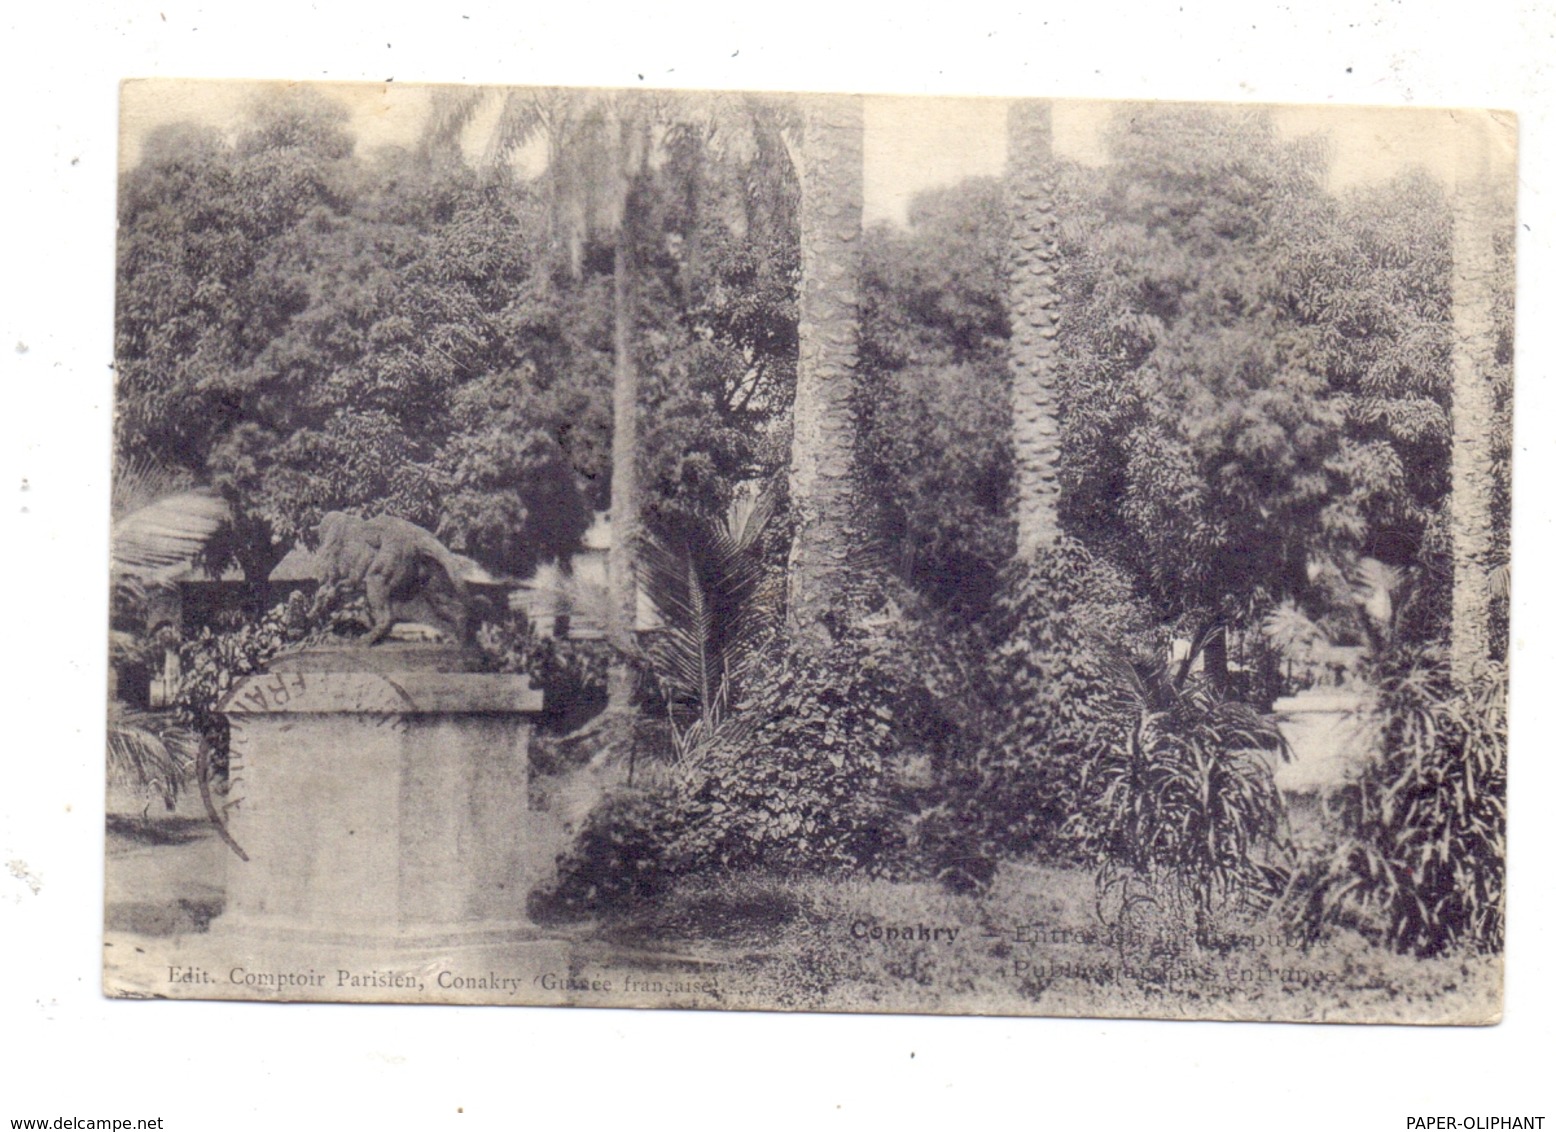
796	778
1182	811
620	855
570	674
1422	857
946	709
948	842
213	661
1055	625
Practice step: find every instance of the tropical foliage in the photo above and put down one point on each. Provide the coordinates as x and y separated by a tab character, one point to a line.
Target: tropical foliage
1251	379
802	784
306	328
569	674
149	754
214	660
1421	863
1183	805
815	487
718	604
1055	626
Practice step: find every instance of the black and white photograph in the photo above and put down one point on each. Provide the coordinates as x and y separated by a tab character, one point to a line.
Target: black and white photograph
778	566
810	552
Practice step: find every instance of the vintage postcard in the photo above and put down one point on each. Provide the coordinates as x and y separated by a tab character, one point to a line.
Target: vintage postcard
800	552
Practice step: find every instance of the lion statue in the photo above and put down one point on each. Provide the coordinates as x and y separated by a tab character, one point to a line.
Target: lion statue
403	571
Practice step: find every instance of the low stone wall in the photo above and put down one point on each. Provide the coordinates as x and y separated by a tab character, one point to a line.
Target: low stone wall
1332	733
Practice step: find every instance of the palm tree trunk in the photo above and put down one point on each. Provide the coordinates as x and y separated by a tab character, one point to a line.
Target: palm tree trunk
621	563
1034	326
823	485
1471	497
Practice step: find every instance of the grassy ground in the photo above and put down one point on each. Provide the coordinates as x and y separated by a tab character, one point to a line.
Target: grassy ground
165	873
1023	947
1032	944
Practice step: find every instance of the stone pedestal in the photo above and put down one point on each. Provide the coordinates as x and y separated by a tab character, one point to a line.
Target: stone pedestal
381	796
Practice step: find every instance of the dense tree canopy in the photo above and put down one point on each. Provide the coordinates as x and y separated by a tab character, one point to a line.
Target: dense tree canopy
1248	404
1254	369
309	328
1204	443
936	408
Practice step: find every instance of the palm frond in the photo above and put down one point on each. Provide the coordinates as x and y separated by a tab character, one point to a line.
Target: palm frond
520	122
1375	587
708	592
169	534
148	753
453	109
1289	630
141	481
1502	581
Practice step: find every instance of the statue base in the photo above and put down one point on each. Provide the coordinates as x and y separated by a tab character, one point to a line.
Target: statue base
381	796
